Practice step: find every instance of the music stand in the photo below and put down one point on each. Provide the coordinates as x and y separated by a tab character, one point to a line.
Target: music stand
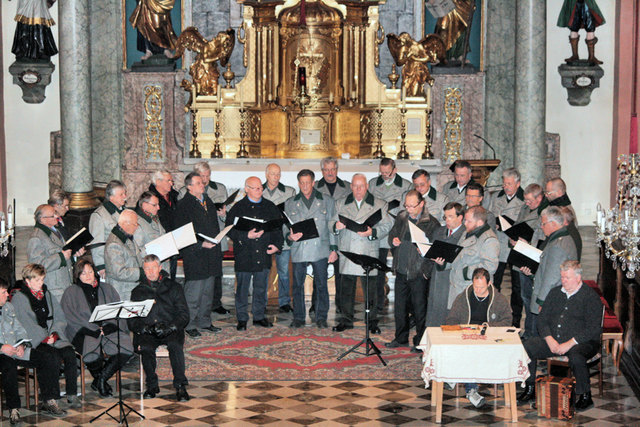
120	310
368	263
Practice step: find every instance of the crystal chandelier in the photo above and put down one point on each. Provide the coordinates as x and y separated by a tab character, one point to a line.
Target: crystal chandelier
617	227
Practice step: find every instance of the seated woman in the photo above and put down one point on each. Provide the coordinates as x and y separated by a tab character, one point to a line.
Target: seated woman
11	333
40	314
97	342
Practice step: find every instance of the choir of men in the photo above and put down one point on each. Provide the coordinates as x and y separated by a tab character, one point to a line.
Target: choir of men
314	227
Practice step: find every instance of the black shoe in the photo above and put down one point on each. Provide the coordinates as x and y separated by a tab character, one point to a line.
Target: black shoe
262	322
212	328
193	333
100	385
527	395
396	344
221	310
181	394
297	324
51	408
374	329
341	327
584	402
285	309
322	324
151	392
242	326
415	349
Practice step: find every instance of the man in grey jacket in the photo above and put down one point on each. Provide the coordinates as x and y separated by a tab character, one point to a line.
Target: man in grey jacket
122	255
104	218
149	226
279	193
309	203
480	248
435	200
358	206
45	248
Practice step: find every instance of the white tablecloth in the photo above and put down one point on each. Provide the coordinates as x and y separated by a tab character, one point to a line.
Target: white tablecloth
459	358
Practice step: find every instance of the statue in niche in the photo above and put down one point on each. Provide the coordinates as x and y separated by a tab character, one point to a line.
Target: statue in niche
204	71
414	56
152	19
577	14
455	28
33	40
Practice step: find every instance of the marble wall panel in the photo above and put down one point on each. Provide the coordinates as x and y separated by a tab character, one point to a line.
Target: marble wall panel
106	89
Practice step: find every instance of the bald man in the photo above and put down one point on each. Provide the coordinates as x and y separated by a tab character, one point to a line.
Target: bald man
253	250
279	193
123	262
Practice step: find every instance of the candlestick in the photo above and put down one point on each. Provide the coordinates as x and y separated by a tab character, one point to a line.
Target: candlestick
404	96
379	97
241	99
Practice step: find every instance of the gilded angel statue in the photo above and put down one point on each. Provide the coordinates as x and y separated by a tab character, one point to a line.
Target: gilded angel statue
204	71
413	57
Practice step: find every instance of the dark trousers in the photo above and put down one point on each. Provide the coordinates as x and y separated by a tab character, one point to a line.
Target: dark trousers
410	297
320	294
380	280
173	266
9	371
336	278
216	301
516	298
526	289
537	348
259	298
148	344
51	358
349	296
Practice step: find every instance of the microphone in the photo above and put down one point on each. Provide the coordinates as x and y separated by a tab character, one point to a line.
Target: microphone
488	145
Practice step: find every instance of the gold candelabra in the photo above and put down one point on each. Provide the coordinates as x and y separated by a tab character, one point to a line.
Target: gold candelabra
403	154
228	76
428	154
242	153
379	154
195	152
216	153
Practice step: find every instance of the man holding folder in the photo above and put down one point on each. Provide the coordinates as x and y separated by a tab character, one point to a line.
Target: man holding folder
358	207
312	211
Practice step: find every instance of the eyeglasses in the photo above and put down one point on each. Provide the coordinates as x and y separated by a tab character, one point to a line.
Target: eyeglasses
153	204
254	188
474	195
549	192
406	206
48	216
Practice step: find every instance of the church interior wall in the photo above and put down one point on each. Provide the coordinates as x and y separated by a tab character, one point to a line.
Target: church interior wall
585	132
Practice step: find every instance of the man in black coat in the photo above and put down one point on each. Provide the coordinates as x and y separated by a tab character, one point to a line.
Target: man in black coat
252	252
570	323
162	188
164	325
203	260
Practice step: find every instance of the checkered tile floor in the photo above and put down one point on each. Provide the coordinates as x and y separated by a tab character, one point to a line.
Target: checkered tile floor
366	403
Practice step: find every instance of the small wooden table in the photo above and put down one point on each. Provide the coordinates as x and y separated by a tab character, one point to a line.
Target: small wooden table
498	357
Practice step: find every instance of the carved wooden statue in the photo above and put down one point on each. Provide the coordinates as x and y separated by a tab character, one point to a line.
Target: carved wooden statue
204	70
414	56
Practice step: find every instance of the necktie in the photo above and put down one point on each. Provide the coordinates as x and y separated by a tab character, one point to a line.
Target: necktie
57	233
449	233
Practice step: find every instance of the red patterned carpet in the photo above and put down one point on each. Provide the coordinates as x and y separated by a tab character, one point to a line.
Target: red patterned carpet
281	354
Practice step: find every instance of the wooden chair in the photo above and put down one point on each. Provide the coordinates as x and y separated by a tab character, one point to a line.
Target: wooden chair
594	361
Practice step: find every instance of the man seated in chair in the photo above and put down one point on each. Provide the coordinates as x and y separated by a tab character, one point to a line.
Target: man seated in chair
569	324
164	325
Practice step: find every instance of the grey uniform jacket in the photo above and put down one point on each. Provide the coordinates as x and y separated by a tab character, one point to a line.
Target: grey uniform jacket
322	211
280	195
77	312
11	330
352	242
558	248
532	217
480	248
500	205
27	317
343	188
217	192
45	248
450	189
101	222
435	201
123	262
388	193
148	229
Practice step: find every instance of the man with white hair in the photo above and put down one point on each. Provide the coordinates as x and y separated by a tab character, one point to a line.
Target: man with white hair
162	187
122	257
104	218
278	193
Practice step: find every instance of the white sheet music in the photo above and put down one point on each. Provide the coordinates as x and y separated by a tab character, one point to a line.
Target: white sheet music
169	244
528	250
504	224
219	236
129	309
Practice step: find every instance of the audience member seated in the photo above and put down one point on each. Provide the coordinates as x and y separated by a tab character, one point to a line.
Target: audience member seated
40	314
163	326
569	324
96	342
476	305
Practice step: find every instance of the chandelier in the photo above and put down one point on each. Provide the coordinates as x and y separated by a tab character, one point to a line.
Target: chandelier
617	227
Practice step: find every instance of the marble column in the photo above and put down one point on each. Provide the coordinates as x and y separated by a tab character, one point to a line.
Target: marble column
530	89
75	102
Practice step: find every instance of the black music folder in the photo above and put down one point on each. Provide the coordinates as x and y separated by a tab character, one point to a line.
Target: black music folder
229	200
78	240
440	249
307	228
520	230
525	255
354	226
393	204
244	223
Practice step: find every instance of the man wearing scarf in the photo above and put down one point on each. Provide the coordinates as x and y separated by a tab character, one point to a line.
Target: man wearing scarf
104	218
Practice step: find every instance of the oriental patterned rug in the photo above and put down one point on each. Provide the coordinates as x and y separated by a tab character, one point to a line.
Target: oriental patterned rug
281	353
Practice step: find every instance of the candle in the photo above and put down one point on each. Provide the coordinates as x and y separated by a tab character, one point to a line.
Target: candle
241	99
635	226
403	97
2	226
602	225
10	217
379	97
598	217
330	97
429	96
219	97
